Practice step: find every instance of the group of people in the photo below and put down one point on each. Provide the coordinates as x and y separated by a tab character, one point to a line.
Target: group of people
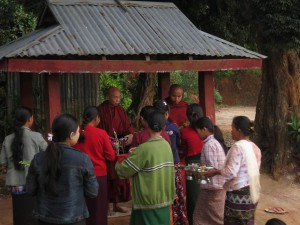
75	177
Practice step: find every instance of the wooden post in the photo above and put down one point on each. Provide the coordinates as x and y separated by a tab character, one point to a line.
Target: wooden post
53	105
163	85
206	94
26	90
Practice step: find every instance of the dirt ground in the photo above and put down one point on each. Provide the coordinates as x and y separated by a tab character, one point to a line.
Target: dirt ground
282	193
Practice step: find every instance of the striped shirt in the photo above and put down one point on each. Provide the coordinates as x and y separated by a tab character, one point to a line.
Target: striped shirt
213	155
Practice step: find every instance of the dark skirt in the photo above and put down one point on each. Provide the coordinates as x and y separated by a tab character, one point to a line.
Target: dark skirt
160	216
192	190
239	209
98	206
22	210
82	222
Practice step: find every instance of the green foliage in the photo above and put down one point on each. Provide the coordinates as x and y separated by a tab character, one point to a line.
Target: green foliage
278	23
120	81
224	74
15	21
218	97
294	132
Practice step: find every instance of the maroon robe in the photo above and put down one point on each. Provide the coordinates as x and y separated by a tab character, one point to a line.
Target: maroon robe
177	112
114	118
143	136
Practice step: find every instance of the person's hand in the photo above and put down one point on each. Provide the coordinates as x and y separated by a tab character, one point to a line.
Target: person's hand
212	173
129	139
131	150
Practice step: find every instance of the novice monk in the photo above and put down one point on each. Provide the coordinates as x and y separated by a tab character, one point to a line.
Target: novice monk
177	106
114	119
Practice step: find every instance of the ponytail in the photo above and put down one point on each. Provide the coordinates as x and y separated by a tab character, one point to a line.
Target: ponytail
89	113
219	137
22	115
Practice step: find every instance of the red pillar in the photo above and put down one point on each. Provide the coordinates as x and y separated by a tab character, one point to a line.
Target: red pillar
163	85
206	94
52	98
26	90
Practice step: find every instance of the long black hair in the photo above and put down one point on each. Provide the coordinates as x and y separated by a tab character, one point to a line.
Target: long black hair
243	124
62	126
89	113
205	122
22	115
194	112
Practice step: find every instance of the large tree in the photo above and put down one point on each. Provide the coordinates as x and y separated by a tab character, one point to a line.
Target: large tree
278	33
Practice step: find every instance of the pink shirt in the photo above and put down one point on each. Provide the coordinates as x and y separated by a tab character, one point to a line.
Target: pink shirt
235	170
213	155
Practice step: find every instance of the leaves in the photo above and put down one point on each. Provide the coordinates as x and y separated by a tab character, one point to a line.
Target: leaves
294	132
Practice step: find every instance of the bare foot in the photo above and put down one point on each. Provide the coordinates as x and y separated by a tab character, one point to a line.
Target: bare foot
120	209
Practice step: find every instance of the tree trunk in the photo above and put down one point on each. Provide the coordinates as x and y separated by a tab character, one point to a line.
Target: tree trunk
278	100
143	95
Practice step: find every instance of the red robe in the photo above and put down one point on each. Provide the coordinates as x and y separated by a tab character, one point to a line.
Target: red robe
177	112
143	136
114	118
191	144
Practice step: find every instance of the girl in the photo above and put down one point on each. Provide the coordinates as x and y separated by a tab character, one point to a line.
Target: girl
241	172
179	207
96	144
209	208
61	177
20	146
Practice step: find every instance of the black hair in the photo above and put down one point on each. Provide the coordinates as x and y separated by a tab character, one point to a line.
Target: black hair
275	221
205	122
89	113
146	110
243	124
22	115
156	121
162	106
174	87
194	112
62	126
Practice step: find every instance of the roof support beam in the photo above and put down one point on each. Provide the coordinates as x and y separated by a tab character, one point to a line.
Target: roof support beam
111	66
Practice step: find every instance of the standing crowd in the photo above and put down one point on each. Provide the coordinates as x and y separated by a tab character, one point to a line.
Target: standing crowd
102	160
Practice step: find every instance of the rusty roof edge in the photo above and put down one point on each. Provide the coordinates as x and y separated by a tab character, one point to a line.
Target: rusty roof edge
112	2
232	44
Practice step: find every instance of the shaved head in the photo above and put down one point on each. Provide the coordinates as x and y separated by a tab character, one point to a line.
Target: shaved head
176	93
114	95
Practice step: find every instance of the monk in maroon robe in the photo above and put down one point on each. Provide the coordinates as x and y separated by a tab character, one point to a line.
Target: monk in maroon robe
115	120
178	107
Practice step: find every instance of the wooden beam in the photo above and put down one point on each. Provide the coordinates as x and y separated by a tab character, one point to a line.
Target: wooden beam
163	85
26	90
53	104
206	94
138	66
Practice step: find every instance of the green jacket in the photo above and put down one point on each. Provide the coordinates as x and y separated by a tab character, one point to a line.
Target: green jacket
152	168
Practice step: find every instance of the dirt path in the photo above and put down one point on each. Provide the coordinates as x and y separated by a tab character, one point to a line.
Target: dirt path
281	194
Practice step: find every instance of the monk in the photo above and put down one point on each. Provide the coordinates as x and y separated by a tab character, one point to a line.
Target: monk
114	120
178	107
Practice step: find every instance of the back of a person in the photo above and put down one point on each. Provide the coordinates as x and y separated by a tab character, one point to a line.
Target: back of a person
156	179
191	144
67	204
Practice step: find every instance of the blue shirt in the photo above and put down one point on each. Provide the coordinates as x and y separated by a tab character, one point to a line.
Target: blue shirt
174	135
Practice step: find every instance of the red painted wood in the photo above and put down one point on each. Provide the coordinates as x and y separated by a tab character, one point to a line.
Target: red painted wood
98	66
26	90
163	85
52	93
206	94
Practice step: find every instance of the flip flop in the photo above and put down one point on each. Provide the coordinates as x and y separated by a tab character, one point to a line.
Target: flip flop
276	210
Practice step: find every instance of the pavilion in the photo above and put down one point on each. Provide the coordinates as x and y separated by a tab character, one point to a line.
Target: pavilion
97	36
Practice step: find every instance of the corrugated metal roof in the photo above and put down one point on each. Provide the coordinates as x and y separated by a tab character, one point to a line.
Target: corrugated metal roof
102	27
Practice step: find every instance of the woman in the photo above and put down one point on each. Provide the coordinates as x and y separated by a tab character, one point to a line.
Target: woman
191	148
61	177
21	146
96	144
209	209
241	172
178	207
152	168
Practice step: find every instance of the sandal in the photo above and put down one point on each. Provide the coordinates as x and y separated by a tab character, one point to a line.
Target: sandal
276	210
